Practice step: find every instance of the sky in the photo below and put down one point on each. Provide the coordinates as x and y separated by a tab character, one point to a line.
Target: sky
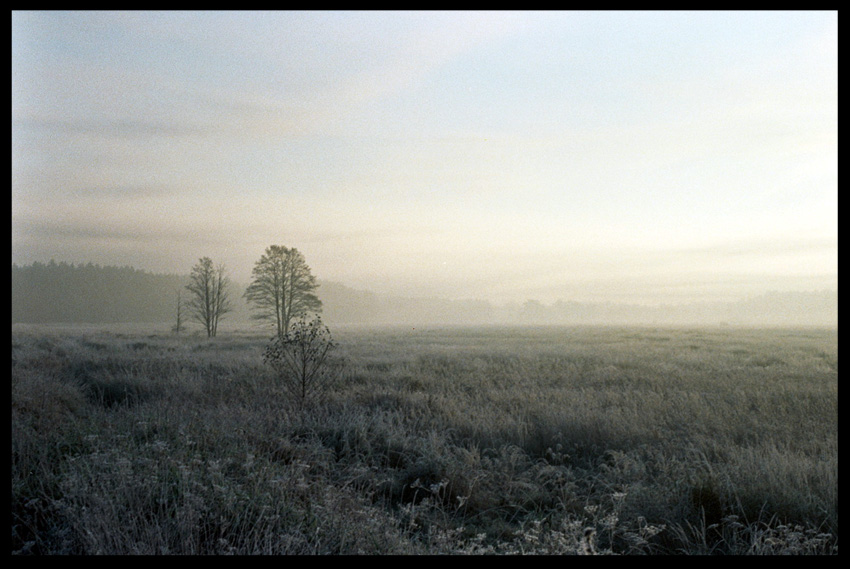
642	157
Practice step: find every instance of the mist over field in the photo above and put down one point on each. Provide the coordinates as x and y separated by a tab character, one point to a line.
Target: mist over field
61	292
424	282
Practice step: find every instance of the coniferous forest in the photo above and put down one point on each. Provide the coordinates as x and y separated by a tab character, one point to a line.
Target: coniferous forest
65	292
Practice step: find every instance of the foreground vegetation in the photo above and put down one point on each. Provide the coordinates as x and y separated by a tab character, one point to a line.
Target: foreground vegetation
455	441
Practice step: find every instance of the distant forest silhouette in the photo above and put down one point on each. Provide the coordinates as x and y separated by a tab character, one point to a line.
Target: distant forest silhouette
64	292
89	293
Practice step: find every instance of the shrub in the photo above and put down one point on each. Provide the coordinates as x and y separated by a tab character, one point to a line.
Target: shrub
300	360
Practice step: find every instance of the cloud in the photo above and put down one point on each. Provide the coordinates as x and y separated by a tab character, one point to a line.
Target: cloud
431	40
232	74
78	227
110	128
120	194
779	246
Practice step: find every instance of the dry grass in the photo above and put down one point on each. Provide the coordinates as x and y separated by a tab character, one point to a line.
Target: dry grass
460	441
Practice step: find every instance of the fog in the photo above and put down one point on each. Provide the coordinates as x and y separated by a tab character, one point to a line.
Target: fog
607	166
63	293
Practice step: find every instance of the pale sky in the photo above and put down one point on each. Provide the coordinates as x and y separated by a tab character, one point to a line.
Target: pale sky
646	157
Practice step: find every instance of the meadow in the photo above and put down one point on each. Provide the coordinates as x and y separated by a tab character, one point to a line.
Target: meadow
500	440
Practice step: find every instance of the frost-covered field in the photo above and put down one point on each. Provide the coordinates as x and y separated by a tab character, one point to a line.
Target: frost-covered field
456	440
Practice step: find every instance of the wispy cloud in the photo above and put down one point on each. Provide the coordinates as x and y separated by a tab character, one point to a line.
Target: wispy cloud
780	246
110	128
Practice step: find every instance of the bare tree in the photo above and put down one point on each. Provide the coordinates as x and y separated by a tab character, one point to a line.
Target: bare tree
209	299
179	326
282	288
300	359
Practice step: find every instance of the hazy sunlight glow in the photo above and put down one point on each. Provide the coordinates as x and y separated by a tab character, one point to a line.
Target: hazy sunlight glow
645	157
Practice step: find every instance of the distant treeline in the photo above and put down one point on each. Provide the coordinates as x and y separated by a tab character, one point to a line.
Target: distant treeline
786	309
62	292
88	293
